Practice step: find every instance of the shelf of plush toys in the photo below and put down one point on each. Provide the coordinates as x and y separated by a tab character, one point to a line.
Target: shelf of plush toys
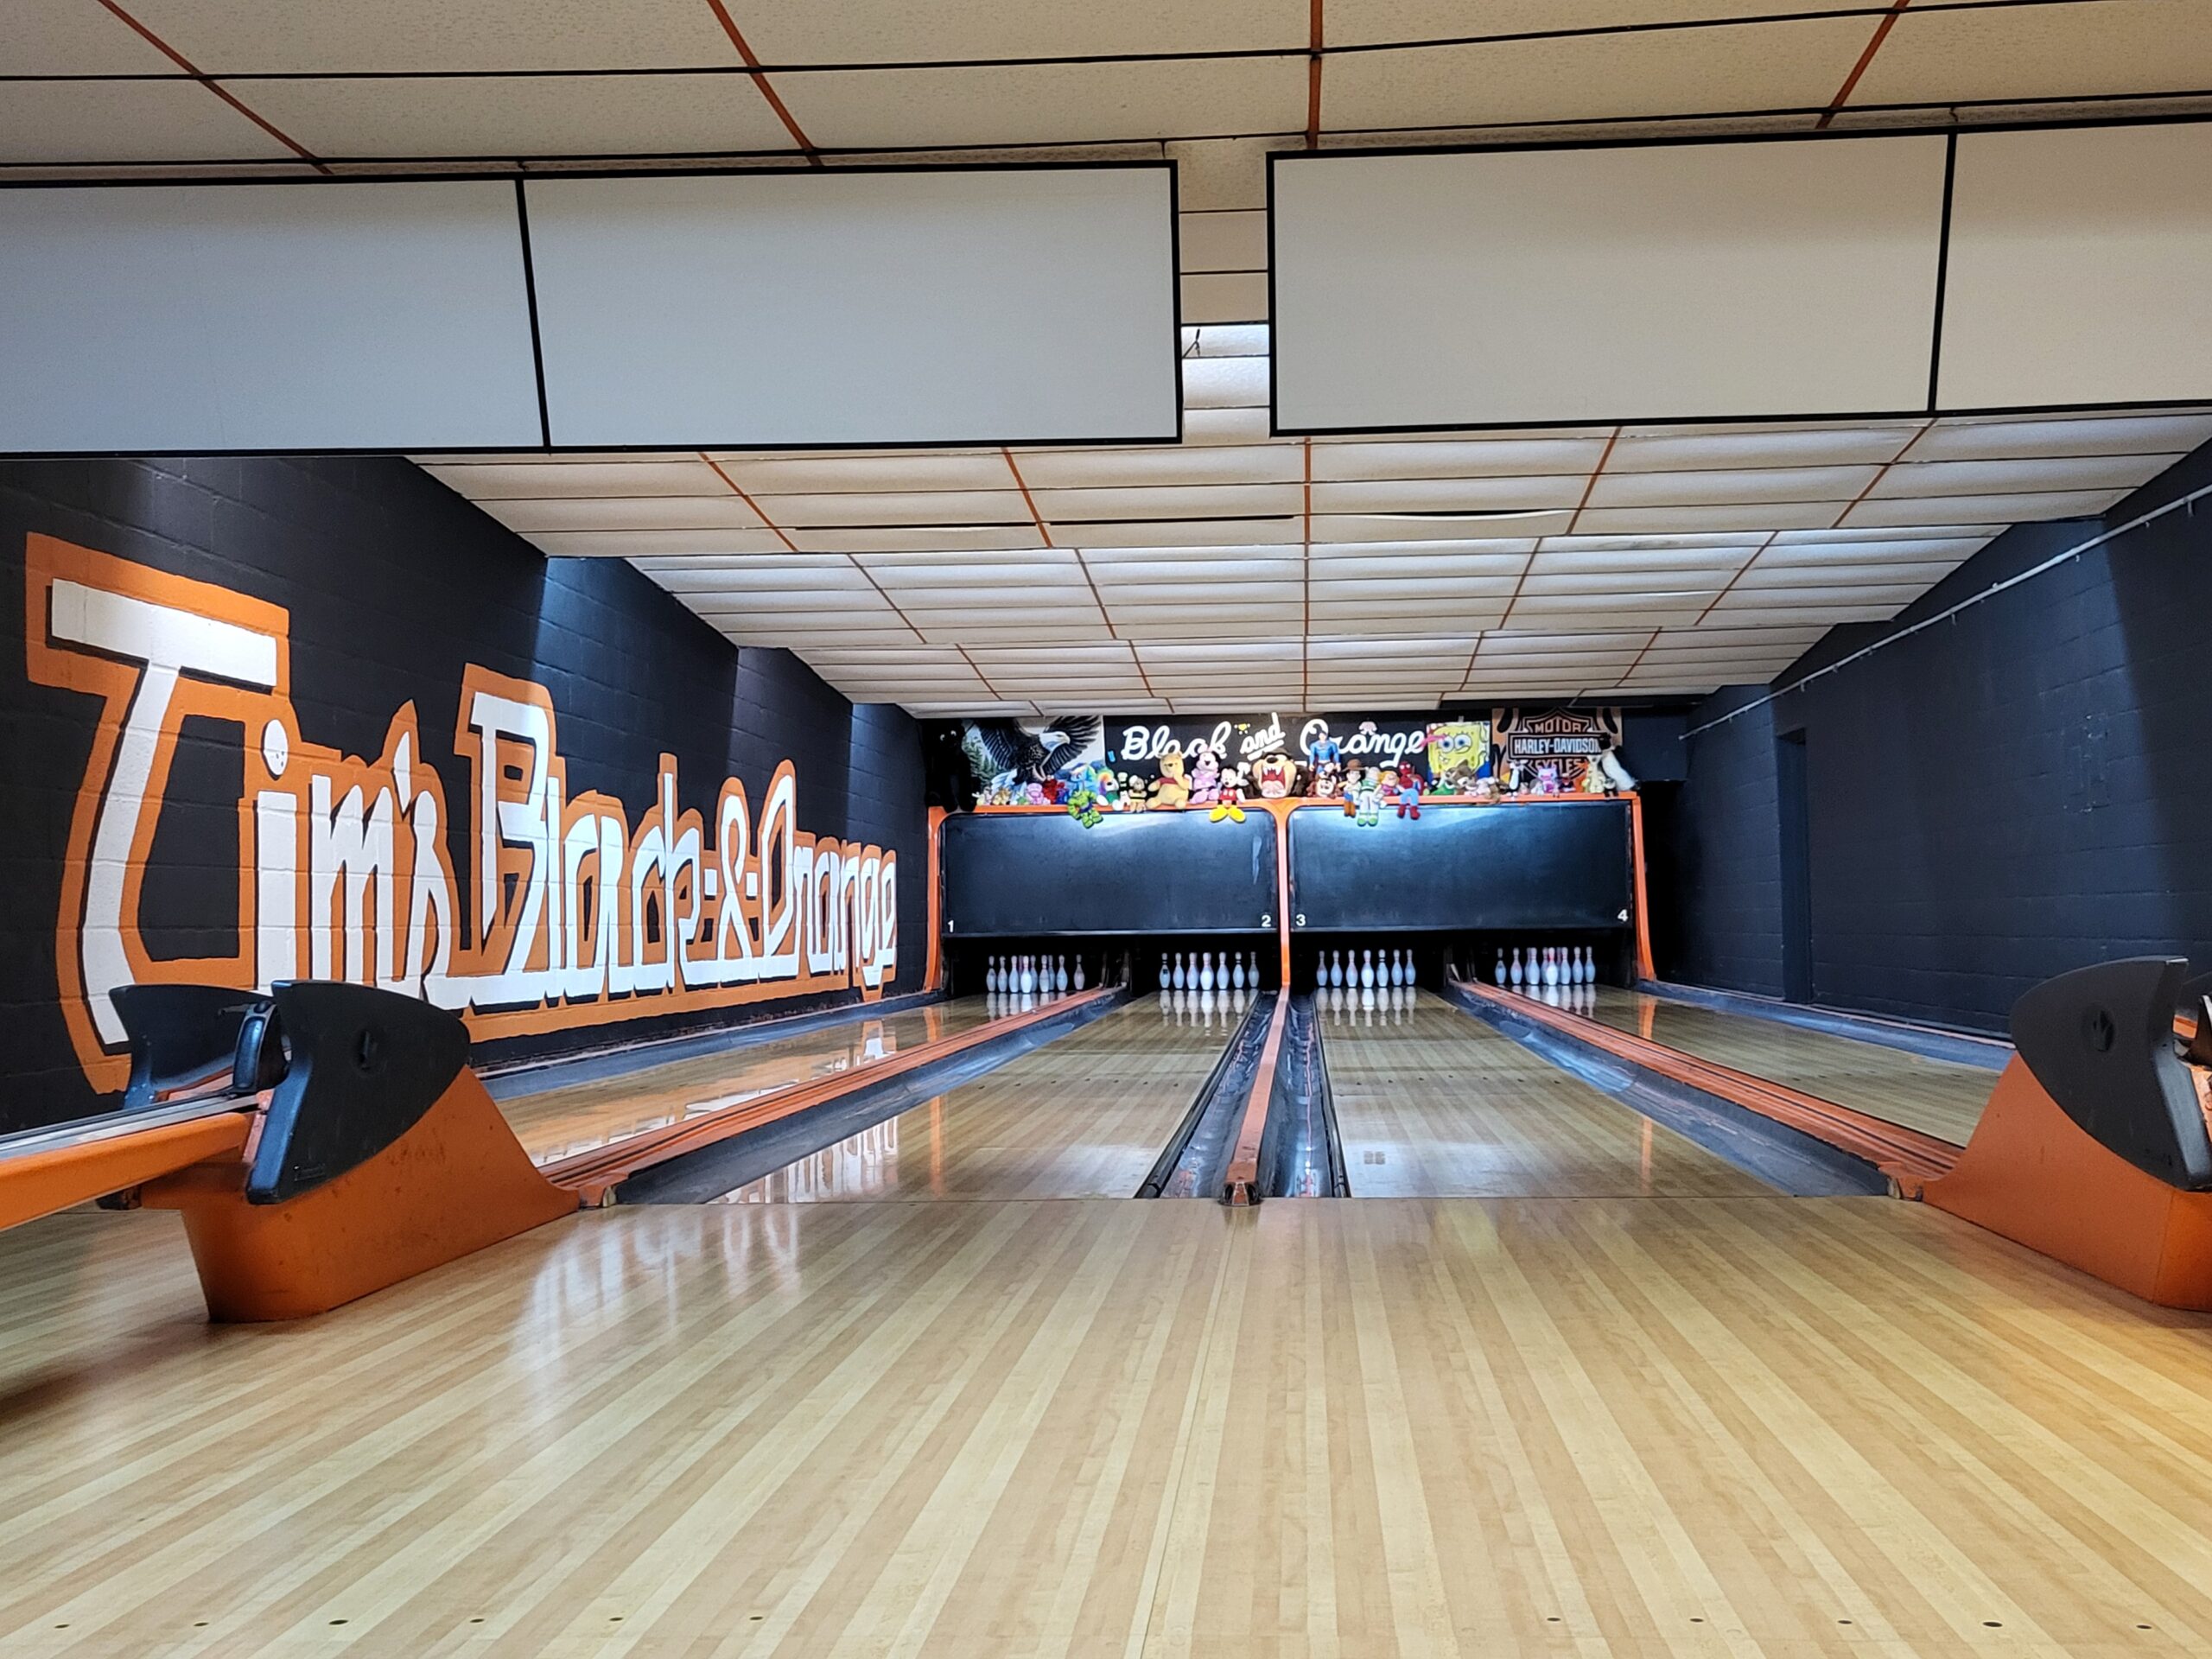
1395	800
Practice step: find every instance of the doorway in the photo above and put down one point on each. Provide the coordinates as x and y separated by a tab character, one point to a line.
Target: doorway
1795	813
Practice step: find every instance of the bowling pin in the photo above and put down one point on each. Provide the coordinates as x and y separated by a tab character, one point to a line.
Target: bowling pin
1367	971
1061	979
1165	983
1405	970
1237	973
1078	973
1589	965
1498	973
1552	970
1516	970
990	976
1178	980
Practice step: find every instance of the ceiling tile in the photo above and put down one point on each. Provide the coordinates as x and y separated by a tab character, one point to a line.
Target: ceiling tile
126	121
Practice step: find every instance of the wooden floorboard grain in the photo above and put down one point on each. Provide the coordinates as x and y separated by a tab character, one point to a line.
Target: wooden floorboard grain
1386	1427
1430	1102
1938	1097
563	1119
1084	1116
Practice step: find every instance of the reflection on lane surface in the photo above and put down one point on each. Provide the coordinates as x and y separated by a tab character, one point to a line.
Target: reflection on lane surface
556	1122
1084	1117
1938	1097
1432	1102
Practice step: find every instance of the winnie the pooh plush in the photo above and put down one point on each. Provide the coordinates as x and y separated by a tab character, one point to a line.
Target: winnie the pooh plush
1172	787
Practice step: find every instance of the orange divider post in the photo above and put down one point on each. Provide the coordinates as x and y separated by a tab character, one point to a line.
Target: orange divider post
455	1182
2034	1175
1242	1183
595	1173
1908	1158
39	1183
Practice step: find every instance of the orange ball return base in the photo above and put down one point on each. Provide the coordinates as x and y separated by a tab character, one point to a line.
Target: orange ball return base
2096	1146
322	1142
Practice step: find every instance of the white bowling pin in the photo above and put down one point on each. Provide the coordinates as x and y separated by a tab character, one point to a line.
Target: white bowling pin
1061	979
1551	967
990	976
1405	968
1517	975
1177	979
1165	983
1589	965
1367	970
1029	975
1497	972
1237	973
1078	973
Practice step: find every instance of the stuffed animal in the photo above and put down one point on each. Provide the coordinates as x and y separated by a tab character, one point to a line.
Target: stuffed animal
1485	788
1274	776
1231	803
1367	805
1206	778
1107	786
1547	777
1172	787
1002	792
1328	780
1326	750
1355	781
1083	807
1408	791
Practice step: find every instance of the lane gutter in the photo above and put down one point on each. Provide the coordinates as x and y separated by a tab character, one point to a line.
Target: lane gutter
1907	1157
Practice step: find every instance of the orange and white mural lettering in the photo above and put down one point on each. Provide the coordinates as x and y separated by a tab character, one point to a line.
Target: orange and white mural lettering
573	911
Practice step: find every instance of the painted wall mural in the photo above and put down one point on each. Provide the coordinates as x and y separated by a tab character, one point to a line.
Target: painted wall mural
577	908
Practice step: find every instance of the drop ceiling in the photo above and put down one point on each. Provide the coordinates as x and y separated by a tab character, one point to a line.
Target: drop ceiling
1233	570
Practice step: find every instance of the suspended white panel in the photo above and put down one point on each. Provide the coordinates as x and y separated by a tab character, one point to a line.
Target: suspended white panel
1643	283
180	318
847	307
2078	268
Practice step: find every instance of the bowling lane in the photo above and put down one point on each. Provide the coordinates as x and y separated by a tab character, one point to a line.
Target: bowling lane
568	1118
1938	1097
1084	1117
1432	1103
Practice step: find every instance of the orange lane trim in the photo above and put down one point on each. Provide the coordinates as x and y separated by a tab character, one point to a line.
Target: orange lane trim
39	1183
595	1173
1241	1185
1906	1156
1643	967
933	966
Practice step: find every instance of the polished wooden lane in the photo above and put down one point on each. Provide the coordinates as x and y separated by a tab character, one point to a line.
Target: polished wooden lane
1938	1097
1431	1102
1084	1116
1841	1428
556	1122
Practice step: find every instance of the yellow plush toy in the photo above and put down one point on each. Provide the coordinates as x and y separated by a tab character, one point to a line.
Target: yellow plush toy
1171	788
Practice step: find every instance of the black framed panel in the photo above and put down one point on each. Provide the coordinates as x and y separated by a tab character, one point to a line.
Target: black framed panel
1017	875
1568	864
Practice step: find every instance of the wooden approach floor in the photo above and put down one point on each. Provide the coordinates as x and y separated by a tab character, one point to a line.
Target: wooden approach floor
565	1118
1379	1427
1084	1116
1431	1102
1938	1097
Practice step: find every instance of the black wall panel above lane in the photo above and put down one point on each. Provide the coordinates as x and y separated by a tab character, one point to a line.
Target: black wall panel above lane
1014	874
1464	869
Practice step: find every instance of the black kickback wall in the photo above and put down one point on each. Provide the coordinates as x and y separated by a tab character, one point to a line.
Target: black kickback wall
2018	790
394	586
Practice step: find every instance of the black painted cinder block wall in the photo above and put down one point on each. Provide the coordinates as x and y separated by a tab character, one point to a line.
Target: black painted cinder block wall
394	584
2018	791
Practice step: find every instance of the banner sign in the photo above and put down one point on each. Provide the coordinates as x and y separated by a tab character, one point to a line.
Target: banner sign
578	907
1135	743
1564	742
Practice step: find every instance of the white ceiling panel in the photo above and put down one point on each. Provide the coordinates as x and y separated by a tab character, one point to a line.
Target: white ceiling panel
2110	434
1388	498
945	509
1046	104
909	538
546	480
1751	484
890	31
1181	532
1658	450
126	121
2014	509
2114	47
491	118
723	511
2039	476
1767	515
241	36
1335	459
1073	469
890	470
1073	510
